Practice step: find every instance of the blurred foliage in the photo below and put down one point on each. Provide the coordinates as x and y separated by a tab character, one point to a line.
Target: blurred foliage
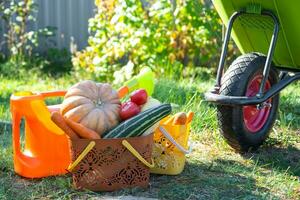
53	63
21	42
170	36
16	16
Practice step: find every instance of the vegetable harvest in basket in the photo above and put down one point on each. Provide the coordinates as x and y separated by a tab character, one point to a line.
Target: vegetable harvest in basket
93	110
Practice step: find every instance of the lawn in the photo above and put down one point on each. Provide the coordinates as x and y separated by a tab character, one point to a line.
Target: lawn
213	170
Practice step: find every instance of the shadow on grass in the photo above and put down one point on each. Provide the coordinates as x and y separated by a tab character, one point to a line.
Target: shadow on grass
217	181
289	112
286	160
220	180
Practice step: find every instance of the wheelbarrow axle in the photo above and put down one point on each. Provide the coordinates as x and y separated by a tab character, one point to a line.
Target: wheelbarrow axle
215	97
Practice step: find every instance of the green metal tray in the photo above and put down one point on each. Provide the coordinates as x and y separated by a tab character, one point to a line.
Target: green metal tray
253	33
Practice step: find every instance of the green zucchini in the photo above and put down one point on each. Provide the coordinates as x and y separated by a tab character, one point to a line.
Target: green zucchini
138	124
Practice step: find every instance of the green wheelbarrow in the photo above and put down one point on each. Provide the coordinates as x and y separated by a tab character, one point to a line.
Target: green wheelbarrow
267	32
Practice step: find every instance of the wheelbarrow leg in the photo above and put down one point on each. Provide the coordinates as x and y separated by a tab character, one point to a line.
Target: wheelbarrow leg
225	48
271	50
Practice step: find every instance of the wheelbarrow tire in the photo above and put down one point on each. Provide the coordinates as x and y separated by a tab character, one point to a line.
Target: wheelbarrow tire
232	123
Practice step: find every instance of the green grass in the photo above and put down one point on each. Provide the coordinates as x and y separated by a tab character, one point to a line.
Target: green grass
213	170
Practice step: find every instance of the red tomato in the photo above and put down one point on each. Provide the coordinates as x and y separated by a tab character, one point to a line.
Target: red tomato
139	97
128	110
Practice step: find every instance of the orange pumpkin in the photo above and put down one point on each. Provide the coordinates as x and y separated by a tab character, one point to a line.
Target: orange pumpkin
94	105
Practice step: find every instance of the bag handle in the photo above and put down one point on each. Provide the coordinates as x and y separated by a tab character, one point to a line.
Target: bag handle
137	155
91	145
87	149
171	139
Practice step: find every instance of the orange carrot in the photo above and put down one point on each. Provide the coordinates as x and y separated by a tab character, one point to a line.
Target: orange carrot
59	120
190	116
180	118
81	130
123	91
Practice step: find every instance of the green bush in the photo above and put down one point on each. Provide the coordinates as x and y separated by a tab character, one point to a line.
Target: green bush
170	36
56	62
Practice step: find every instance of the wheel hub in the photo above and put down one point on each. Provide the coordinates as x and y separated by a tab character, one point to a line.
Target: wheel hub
263	105
255	116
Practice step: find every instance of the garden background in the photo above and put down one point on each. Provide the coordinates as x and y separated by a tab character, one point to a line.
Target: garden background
180	41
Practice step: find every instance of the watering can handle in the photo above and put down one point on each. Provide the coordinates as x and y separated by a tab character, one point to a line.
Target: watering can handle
16	120
57	93
171	139
24	159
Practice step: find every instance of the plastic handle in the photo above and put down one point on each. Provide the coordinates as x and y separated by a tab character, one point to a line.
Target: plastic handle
145	80
57	93
23	158
137	155
87	149
16	133
171	139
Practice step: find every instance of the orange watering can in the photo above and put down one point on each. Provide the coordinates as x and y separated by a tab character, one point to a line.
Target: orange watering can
46	151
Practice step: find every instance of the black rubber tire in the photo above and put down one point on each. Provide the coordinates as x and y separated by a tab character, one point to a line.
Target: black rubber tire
230	118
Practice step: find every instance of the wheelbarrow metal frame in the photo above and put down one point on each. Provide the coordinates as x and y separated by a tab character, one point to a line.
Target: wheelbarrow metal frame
215	97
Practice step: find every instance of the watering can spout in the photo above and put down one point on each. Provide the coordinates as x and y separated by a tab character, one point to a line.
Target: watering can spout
145	80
